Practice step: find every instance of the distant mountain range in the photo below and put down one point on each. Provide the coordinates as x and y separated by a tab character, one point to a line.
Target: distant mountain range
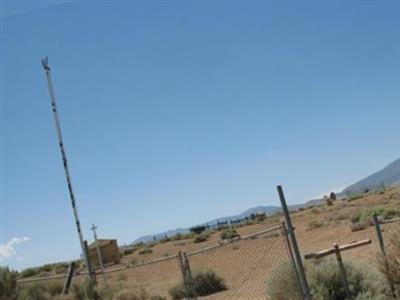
388	176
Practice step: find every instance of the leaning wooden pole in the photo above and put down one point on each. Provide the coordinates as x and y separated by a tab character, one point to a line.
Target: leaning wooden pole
64	157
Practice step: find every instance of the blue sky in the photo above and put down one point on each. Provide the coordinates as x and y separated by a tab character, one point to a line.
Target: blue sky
174	114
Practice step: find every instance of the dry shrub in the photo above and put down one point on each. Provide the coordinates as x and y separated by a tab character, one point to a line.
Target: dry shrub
358	226
329	202
203	283
199	238
54	288
145	250
86	290
390	266
33	292
283	283
326	283
122	277
312	225
229	234
8	284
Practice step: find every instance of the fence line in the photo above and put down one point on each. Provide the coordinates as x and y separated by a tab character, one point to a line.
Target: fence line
244	237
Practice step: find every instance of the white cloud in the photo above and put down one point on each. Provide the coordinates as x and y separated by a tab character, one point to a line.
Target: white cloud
7	250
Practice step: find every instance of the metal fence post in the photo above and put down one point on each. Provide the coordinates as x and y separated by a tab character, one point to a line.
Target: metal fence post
189	278
342	270
295	247
382	246
286	237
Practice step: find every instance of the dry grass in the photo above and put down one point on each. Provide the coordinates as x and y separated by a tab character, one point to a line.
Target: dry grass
390	265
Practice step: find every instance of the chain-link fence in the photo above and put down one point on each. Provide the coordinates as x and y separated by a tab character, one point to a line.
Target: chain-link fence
253	266
246	267
155	278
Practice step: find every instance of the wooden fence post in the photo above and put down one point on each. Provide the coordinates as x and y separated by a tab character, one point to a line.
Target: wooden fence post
92	274
68	280
342	270
182	265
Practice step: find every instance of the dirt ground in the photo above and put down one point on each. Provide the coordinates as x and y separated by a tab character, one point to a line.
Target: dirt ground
246	265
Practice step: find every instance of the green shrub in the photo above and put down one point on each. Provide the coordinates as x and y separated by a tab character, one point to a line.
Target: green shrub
200	238
182	236
61	268
28	272
86	290
54	288
127	251
326	283
390	265
209	232
365	214
283	283
176	237
33	292
178	292
338	216
207	283
145	250
198	229
46	268
315	225
8	284
315	210
228	234
204	283
164	239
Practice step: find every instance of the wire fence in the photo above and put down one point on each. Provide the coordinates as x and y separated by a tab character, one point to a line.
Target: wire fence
155	278
240	268
235	269
245	265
